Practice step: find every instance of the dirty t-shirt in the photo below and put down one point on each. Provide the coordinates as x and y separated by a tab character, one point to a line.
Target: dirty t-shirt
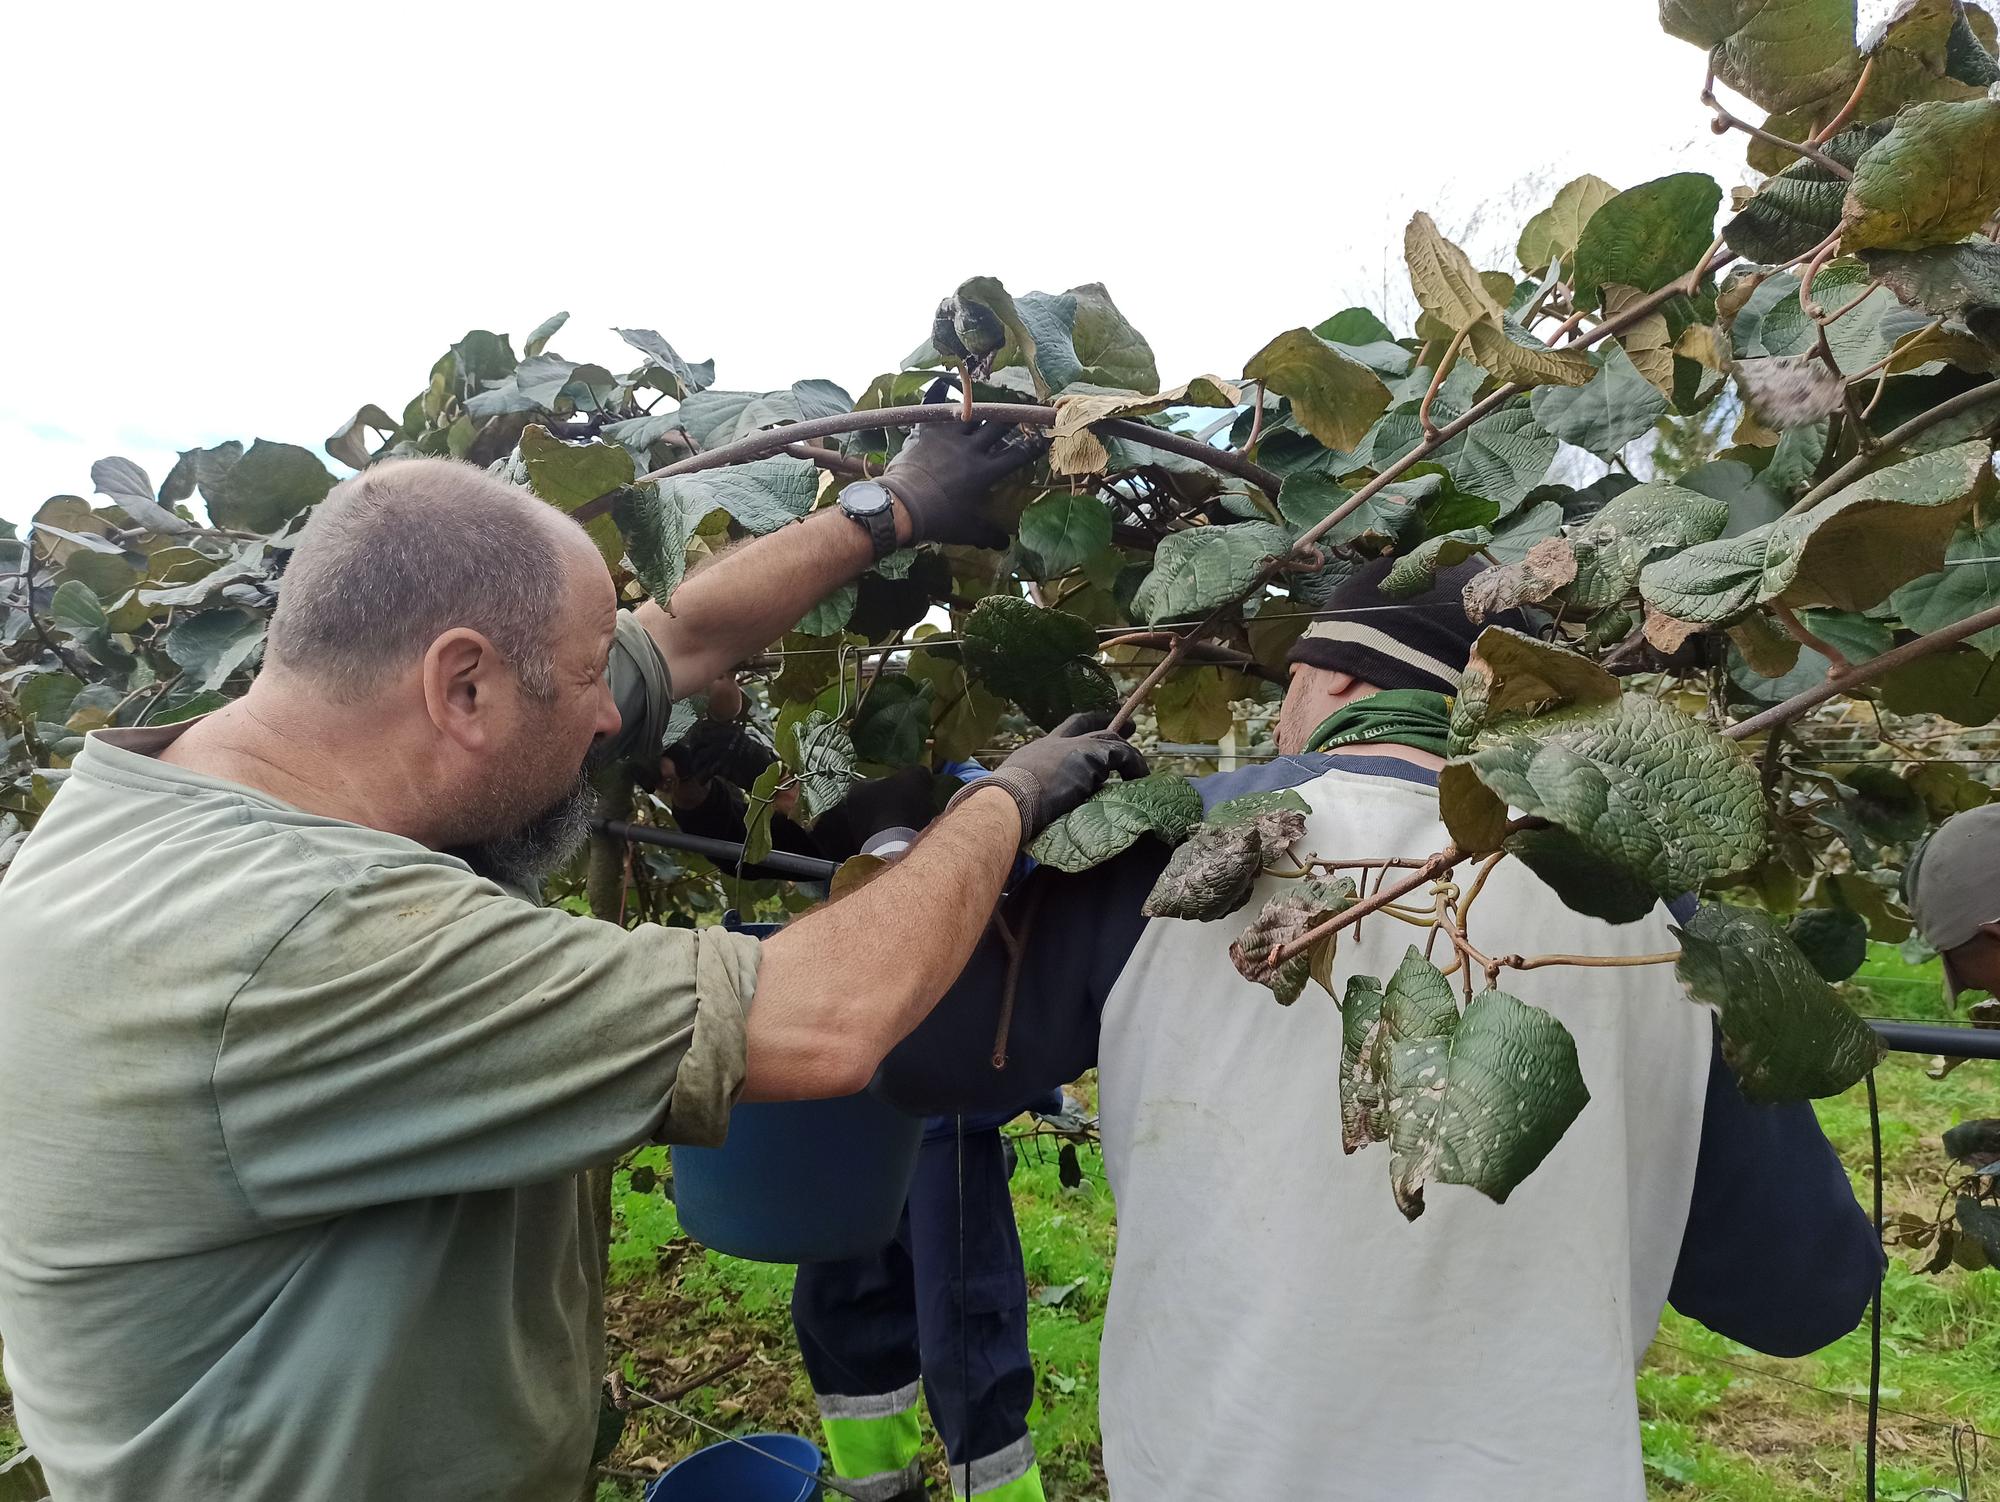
293	1114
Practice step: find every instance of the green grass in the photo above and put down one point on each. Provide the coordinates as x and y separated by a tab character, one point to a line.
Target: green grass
1067	1236
1715	1430
1719	1421
684	1298
10	1437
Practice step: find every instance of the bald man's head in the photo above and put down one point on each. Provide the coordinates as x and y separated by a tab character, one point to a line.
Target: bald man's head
405	551
449	635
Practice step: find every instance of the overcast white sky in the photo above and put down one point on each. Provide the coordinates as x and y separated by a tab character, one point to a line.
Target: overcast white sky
247	221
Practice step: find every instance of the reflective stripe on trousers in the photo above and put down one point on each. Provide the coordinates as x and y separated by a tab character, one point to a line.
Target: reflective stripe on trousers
1008	1475
872	1442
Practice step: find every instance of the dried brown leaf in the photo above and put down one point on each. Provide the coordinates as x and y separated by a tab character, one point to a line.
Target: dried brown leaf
1284	918
1648	343
1548	566
1078	451
1789	391
1667	633
1210	875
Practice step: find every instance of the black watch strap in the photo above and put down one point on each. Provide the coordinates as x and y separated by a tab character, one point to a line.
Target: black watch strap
882	531
880	524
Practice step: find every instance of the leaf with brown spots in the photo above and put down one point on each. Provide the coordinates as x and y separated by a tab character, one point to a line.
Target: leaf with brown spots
1284	918
1210	876
1550	565
1416	1004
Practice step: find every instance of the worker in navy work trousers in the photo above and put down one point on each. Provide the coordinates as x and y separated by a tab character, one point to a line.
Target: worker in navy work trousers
871	1327
946	1302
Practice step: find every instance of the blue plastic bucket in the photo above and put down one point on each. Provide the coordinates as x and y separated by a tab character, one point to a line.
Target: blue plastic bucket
730	1472
800	1181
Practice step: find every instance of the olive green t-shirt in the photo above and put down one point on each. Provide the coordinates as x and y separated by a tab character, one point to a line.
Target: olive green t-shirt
293	1115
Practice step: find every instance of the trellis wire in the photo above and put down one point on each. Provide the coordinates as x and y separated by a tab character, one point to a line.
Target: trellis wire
964	1352
1204	752
943	639
1930	1420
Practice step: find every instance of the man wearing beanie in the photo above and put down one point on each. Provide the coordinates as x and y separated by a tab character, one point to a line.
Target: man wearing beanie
1952	888
1275	1327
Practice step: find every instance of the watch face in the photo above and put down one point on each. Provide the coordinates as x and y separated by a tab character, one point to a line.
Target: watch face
865	498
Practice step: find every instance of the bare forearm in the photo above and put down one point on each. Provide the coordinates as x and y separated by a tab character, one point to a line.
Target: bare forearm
754	594
839	988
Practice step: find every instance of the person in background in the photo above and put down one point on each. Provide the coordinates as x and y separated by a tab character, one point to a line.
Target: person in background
702	778
946	1302
1275	1328
1952	888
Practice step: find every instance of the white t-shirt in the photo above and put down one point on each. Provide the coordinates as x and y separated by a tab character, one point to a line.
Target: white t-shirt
1276	1328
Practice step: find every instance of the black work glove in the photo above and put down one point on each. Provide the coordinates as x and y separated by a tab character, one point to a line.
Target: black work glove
943	473
1049	777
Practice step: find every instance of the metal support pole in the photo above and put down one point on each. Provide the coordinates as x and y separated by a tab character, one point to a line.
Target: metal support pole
1937	1037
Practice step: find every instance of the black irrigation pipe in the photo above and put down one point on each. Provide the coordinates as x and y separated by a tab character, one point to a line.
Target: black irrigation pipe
1899	1037
727	853
1939	1038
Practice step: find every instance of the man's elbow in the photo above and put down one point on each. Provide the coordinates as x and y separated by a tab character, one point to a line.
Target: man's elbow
850	1062
814	1063
856	1033
831	1047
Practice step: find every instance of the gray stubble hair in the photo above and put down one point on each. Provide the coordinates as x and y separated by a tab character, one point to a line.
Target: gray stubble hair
406	550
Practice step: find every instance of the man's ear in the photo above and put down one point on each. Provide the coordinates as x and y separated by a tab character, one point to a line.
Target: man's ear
462	674
1975	964
1330	681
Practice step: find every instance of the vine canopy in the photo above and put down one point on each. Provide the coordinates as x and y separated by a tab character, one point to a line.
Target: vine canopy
1835	325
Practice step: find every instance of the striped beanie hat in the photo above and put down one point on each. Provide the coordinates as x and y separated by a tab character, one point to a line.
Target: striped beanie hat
1419	642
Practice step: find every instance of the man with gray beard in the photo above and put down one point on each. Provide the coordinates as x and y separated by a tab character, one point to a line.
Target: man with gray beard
297	1096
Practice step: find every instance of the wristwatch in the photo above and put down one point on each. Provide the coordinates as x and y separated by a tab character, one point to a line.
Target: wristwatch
870	506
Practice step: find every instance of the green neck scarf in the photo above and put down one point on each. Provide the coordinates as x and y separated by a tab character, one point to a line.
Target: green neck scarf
1416	717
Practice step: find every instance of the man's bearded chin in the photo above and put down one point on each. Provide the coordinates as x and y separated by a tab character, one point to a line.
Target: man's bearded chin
540	847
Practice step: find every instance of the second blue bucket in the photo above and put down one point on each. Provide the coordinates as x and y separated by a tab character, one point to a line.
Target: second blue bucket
800	1181
759	1468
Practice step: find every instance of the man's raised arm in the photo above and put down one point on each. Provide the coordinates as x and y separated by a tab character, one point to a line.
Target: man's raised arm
934	490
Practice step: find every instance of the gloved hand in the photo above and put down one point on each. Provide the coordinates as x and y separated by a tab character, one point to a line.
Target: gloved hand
943	473
1049	777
